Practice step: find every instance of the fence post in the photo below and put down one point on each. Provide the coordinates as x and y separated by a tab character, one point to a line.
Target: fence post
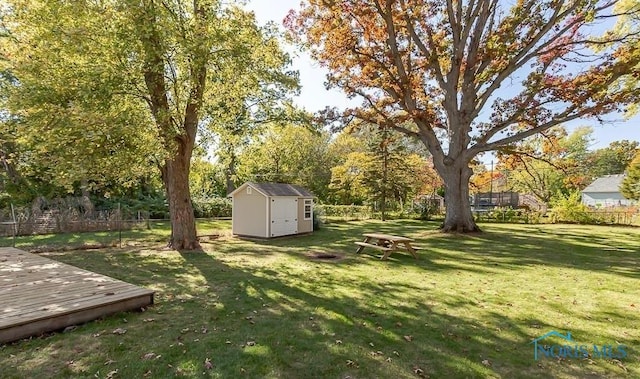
119	225
15	226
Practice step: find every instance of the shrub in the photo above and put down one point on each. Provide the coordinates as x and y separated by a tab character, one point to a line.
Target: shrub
426	209
569	208
345	212
207	207
316	219
152	205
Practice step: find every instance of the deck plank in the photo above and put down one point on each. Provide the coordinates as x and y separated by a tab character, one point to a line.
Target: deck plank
39	295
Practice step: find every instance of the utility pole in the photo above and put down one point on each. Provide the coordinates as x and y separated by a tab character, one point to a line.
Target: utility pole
491	186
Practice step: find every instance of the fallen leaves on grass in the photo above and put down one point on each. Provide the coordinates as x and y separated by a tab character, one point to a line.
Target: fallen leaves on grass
111	374
207	364
408	338
119	331
148	356
420	372
619	363
486	362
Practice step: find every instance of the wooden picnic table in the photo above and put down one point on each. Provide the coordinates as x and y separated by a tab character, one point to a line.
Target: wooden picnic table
387	243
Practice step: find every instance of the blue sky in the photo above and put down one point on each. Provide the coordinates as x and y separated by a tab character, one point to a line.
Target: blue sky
314	96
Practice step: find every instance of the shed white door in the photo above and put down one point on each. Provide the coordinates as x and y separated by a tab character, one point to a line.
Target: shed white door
284	216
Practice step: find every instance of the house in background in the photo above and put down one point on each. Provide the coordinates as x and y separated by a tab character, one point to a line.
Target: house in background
271	210
605	192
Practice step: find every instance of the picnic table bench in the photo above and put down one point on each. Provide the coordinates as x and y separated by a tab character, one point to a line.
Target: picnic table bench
387	243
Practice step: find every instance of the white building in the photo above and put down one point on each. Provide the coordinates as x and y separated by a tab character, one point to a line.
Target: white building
271	210
605	192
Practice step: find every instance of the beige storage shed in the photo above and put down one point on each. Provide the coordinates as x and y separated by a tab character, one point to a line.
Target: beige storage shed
269	210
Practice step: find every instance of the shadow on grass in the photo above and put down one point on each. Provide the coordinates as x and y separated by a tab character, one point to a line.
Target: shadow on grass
498	248
269	311
316	325
548	246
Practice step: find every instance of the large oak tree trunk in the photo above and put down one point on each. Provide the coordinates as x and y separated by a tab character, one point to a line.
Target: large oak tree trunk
176	182
178	137
230	173
458	218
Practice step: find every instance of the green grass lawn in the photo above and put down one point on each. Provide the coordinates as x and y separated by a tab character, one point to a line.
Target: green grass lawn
153	232
469	307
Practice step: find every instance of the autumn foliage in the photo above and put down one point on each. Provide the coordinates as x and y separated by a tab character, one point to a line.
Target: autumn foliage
467	77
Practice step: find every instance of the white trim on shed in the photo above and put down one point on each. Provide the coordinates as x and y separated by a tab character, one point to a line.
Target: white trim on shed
278	207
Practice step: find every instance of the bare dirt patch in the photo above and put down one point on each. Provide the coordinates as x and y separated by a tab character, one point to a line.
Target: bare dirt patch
325	256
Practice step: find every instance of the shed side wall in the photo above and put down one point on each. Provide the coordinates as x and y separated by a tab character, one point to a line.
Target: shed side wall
250	214
304	226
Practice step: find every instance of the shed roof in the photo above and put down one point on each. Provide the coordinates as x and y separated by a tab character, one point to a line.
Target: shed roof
276	189
609	183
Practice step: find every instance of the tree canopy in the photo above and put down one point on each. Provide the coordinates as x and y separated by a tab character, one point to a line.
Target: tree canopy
471	76
548	163
137	81
630	187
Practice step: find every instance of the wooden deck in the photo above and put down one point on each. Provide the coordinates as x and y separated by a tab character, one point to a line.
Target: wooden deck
39	295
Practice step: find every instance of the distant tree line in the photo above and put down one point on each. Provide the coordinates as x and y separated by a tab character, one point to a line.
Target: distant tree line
554	163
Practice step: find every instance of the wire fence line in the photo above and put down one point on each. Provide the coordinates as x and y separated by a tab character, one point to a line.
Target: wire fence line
43	226
20	221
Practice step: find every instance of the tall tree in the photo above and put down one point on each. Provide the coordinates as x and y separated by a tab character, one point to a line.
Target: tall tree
547	163
472	75
628	24
61	123
168	61
289	154
255	95
391	174
347	187
630	187
612	159
381	169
